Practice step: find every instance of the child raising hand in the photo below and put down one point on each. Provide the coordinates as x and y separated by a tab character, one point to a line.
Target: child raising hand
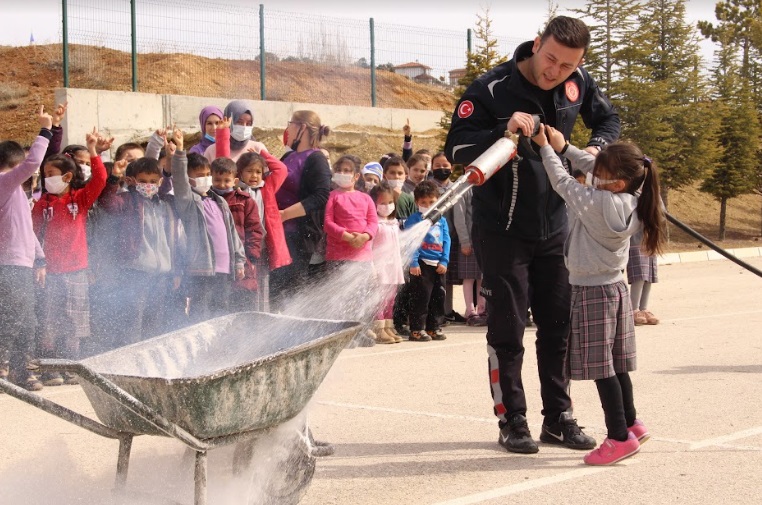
60	222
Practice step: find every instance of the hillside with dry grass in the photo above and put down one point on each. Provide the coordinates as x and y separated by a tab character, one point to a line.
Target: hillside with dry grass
29	75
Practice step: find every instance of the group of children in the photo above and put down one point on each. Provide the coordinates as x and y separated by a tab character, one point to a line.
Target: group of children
159	237
363	219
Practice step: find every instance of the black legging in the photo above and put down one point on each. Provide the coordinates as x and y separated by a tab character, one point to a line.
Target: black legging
618	404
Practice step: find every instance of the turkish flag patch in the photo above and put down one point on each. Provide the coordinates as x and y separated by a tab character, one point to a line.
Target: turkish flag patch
572	91
465	109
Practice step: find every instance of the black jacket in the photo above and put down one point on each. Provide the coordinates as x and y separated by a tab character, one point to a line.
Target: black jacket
518	200
314	189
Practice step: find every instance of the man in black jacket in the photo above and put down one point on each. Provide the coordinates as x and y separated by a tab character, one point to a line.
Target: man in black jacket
519	222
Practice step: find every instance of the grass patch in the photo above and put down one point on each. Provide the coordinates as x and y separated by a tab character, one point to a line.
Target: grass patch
12	95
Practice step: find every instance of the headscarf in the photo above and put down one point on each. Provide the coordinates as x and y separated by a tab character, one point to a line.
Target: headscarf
234	111
207	111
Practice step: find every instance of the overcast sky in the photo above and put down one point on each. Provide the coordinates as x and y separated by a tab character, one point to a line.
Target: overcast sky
512	18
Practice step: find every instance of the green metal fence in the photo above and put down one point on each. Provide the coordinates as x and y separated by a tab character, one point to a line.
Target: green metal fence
236	49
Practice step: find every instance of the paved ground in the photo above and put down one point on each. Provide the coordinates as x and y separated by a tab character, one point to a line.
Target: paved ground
412	422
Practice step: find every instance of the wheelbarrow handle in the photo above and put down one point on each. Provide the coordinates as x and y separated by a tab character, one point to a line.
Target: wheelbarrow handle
57	410
123	397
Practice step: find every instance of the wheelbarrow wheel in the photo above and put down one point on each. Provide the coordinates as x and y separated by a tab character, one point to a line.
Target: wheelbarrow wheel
281	474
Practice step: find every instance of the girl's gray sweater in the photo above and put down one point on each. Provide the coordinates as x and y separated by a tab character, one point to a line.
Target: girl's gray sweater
600	222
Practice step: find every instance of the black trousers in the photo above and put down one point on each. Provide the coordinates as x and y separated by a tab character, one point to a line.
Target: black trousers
286	281
401	311
209	296
143	307
427	299
518	274
17	318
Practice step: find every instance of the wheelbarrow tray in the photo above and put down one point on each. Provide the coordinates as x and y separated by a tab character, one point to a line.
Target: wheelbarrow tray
238	373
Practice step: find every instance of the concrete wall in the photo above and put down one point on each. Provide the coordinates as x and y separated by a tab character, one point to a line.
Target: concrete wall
131	116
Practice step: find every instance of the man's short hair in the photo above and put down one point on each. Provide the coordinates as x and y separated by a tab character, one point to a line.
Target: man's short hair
143	166
425	189
224	166
122	149
570	32
195	161
11	154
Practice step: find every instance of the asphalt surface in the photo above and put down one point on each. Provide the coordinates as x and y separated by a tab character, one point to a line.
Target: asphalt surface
412	422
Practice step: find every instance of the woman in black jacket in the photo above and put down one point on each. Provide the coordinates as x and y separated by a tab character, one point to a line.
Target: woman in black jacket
301	200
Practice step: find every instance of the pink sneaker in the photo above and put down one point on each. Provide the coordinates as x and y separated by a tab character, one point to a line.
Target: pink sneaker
612	451
640	431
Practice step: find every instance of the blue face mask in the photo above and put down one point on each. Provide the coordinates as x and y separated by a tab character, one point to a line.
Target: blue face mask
223	192
209	138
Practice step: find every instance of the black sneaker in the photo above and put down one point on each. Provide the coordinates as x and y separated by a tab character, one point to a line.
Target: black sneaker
455	318
566	432
515	436
403	331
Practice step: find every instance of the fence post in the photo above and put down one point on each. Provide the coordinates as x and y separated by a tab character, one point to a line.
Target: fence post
468	38
372	63
134	38
65	16
262	52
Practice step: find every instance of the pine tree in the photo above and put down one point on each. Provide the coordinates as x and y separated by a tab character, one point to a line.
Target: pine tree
478	62
610	22
739	25
739	133
662	96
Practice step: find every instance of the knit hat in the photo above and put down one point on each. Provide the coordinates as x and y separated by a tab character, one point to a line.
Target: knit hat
373	168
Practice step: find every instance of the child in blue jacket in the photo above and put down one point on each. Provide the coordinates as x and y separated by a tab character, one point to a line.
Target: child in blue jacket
427	270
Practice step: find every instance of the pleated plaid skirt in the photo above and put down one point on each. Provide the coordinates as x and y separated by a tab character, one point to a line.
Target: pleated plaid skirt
468	268
640	266
602	333
66	312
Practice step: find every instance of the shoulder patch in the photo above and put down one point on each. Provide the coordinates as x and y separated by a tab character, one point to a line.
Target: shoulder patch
572	91
465	109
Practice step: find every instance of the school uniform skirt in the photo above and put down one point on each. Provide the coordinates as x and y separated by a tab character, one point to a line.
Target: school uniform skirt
66	312
468	268
602	332
640	266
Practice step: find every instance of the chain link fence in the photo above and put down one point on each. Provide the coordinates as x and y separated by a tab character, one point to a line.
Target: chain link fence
216	47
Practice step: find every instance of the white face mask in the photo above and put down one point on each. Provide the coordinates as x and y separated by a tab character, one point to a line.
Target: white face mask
86	171
202	184
597	183
396	184
240	133
343	180
55	184
385	209
423	210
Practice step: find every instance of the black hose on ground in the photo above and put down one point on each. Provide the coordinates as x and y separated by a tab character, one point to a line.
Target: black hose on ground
690	231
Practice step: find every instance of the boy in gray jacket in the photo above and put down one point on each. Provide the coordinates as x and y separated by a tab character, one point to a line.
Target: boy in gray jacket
145	250
215	255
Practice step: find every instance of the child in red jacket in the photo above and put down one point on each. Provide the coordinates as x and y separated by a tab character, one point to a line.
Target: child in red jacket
60	222
248	226
261	176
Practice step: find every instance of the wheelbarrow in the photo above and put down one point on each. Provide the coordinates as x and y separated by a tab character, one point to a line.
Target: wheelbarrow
229	380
